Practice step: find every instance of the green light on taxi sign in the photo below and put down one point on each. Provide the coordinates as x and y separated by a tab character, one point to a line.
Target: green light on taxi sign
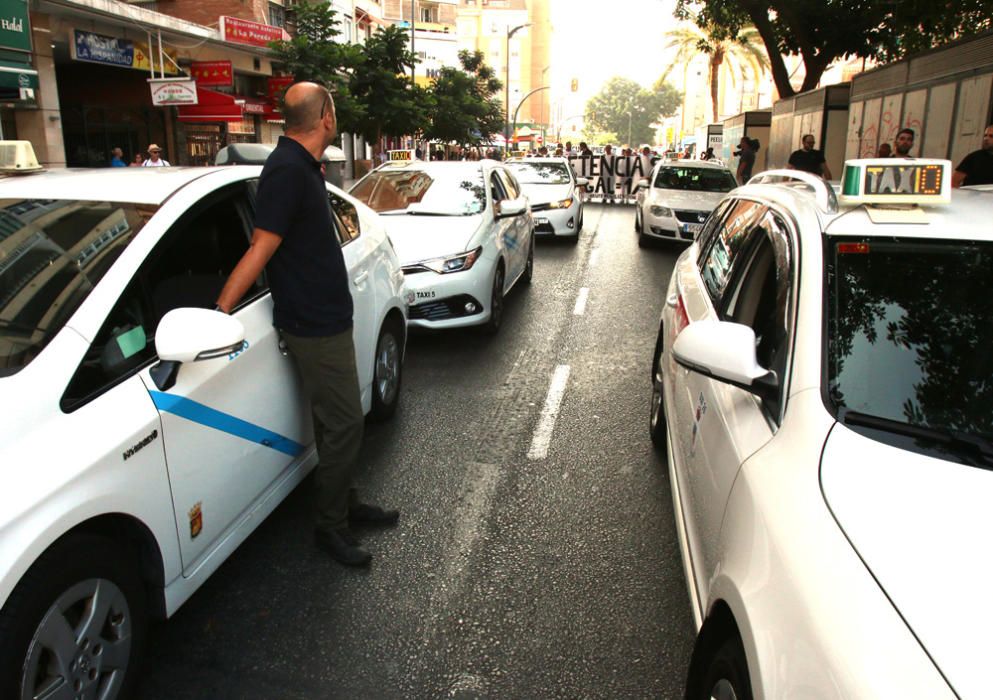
896	181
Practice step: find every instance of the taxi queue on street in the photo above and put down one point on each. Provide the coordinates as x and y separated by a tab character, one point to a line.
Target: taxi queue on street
820	388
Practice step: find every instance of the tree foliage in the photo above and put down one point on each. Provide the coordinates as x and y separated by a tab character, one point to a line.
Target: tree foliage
627	109
392	106
822	31
744	52
312	55
463	103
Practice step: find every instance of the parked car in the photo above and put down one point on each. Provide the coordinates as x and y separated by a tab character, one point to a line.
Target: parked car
257	153
143	435
675	201
554	193
464	234
821	385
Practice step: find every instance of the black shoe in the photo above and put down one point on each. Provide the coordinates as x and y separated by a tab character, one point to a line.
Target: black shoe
368	514
343	547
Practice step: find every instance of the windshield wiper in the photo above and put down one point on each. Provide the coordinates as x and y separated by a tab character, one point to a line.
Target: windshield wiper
976	450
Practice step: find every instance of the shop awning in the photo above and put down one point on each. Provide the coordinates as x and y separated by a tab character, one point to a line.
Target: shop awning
213	106
17	75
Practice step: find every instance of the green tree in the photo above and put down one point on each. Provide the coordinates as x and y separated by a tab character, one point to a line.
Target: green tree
625	108
464	107
823	31
313	55
744	53
392	106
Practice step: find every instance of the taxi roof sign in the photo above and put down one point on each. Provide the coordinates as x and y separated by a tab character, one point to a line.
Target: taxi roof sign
402	154
896	181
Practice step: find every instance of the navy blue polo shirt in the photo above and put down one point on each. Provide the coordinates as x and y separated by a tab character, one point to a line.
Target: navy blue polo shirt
307	275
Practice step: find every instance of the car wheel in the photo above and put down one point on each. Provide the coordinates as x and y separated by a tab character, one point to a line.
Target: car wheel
657	426
496	302
387	371
725	676
75	624
637	220
579	226
529	266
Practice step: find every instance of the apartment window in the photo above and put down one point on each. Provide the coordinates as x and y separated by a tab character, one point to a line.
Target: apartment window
277	15
427	14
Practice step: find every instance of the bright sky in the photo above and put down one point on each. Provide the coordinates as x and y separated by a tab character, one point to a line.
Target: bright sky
594	41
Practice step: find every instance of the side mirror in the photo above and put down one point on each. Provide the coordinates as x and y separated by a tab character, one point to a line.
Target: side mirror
511	207
582	182
190	335
726	352
642	184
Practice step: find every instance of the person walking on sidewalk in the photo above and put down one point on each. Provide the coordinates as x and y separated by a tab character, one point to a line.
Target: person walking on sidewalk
312	308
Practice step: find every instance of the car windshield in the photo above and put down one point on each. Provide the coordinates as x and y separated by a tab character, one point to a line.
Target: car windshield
673	177
52	254
541	173
909	332
435	192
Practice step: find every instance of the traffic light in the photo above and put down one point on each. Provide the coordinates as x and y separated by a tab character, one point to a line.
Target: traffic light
574	86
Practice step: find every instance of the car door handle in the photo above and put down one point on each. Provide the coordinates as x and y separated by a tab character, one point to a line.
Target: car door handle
362	277
672	299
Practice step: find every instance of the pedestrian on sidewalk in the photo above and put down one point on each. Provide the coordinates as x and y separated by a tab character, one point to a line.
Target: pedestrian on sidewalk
155	159
294	241
977	167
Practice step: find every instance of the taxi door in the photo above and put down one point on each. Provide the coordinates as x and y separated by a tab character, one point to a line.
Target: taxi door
521	225
505	230
746	272
233	425
359	253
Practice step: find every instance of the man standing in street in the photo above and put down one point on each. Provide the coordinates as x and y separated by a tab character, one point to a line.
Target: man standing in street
809	159
117	158
312	308
903	143
977	167
155	159
746	160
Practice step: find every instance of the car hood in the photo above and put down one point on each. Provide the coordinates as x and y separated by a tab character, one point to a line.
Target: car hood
921	525
543	194
418	238
686	199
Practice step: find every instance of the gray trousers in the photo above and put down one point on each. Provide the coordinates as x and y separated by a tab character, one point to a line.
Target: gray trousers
327	365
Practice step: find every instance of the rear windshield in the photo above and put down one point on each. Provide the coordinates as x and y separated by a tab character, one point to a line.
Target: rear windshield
52	254
541	173
438	192
909	332
695	179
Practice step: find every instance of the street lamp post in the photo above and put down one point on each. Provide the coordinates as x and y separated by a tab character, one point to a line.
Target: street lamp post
538	89
506	102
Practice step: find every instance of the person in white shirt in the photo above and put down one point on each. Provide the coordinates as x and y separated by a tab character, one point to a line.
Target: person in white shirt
155	159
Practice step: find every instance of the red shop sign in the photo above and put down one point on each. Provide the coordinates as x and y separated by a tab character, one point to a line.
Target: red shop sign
208	73
277	85
243	31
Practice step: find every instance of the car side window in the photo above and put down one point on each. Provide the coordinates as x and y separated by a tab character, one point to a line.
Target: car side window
187	268
496	185
711	226
510	184
761	296
347	215
727	242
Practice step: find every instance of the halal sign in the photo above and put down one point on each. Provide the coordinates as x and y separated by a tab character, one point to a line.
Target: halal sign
173	91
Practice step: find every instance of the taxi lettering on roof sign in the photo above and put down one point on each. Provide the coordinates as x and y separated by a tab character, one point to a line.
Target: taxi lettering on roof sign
405	154
896	181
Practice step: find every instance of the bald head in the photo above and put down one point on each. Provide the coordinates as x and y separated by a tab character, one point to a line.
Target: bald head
305	105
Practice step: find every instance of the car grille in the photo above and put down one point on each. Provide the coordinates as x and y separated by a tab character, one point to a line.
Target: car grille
443	309
691	217
544	228
541	207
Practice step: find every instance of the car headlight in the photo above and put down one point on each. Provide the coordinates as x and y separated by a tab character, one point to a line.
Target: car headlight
660	211
564	204
454	263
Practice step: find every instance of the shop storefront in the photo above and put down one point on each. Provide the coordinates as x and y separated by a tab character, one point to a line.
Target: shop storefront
18	78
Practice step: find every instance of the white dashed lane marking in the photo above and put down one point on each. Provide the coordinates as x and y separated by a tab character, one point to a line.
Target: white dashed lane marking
580	309
546	424
594	256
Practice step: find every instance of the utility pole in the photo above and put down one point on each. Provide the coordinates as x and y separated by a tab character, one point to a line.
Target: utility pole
506	102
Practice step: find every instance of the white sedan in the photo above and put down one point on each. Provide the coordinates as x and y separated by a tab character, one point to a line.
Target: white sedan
144	435
554	193
464	234
822	385
674	202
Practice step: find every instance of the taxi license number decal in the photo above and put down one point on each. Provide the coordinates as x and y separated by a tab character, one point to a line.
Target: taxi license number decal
426	295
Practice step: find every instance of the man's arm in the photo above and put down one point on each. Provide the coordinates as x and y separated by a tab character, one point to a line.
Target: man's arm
958	177
248	269
826	171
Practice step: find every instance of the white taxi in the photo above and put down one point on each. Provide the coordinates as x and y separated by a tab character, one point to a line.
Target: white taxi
464	234
822	386
145	436
554	193
674	202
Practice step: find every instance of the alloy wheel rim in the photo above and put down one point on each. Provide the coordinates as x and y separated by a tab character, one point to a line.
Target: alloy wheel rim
496	303
723	690
387	368
82	646
656	401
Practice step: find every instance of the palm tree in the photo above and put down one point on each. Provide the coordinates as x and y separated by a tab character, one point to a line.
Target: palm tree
744	54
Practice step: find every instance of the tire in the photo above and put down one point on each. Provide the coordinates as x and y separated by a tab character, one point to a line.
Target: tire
579	225
387	371
637	221
528	274
103	651
656	420
724	675
496	303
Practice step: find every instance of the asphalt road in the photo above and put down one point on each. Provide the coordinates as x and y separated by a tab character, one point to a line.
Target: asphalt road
509	576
